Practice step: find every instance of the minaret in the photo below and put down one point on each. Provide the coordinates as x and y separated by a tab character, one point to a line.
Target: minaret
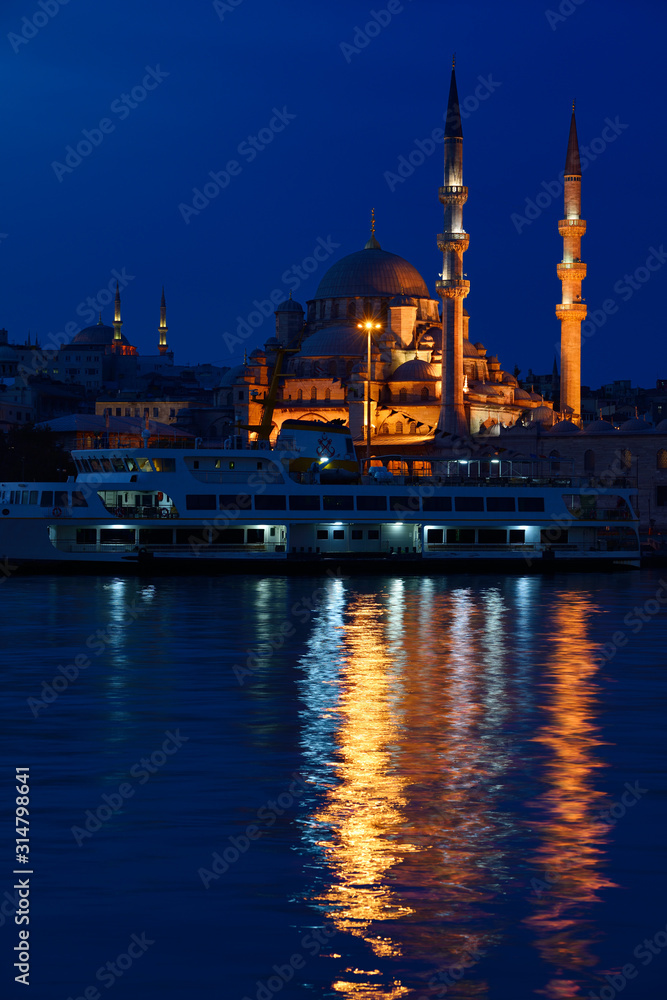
162	344
452	287
117	321
571	311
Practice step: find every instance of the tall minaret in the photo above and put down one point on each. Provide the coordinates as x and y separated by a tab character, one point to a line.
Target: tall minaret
452	287
571	312
117	321
162	344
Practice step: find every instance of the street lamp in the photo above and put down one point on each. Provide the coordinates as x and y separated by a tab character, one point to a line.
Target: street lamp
368	325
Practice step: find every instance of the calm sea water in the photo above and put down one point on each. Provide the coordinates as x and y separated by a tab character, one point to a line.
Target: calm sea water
350	788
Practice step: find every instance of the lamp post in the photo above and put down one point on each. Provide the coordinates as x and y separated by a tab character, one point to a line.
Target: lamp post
368	325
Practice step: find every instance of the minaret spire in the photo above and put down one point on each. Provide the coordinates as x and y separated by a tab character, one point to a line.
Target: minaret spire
117	321
452	287
162	332
571	311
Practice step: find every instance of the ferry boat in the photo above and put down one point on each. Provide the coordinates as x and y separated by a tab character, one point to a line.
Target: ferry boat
307	503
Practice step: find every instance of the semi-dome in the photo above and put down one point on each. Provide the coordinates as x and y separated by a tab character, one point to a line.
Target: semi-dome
414	371
372	273
97	336
636	426
469	350
600	427
335	341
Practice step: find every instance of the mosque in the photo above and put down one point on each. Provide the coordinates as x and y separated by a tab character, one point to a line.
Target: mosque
370	344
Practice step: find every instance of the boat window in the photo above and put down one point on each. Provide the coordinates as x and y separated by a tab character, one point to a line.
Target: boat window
338	533
78	499
404	505
531	504
117	536
255	536
86	536
554	536
268	501
117	463
301	503
517	536
373	534
372	503
155	536
200	501
338	503
322	533
357	533
131	464
47	499
237	501
460	536
492	536
95	465
86	465
24	496
434	536
145	465
164	464
34	496
231	536
469	503
60	499
106	464
436	503
500	504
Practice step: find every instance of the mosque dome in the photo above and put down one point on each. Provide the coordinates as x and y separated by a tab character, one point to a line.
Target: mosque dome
414	371
564	427
335	341
230	377
542	415
535	396
373	273
636	426
7	353
600	427
289	305
521	394
469	350
97	336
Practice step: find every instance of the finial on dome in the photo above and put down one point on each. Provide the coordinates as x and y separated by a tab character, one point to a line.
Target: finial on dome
99	322
454	60
290	294
372	243
574	104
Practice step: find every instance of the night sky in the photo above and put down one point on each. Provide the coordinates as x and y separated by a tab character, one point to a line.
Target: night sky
333	110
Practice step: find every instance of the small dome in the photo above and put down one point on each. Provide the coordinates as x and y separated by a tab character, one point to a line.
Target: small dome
521	394
289	305
535	396
662	427
7	353
403	300
335	341
600	427
636	426
543	415
469	350
414	371
229	377
509	379
564	427
272	342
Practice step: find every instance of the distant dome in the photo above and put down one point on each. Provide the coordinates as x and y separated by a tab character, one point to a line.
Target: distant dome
7	353
229	377
564	427
509	379
636	426
414	371
272	342
335	341
543	415
521	394
469	350
289	305
601	427
372	273
97	336
535	396
662	427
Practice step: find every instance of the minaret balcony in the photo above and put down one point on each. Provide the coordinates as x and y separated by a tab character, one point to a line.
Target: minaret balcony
455	242
453	194
452	288
571	310
575	271
566	226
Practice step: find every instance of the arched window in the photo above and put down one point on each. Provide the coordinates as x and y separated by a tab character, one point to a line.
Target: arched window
661	459
554	464
399	427
402	396
626	459
351	309
332	366
327	394
313	392
334	309
299	395
384	429
413	427
368	308
425	393
589	461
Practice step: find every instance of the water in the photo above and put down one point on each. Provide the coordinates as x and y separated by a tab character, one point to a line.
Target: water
404	787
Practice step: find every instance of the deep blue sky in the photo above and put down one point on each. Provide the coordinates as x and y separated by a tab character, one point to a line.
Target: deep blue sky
356	114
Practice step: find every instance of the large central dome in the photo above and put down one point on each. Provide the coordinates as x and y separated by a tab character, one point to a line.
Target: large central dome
372	273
